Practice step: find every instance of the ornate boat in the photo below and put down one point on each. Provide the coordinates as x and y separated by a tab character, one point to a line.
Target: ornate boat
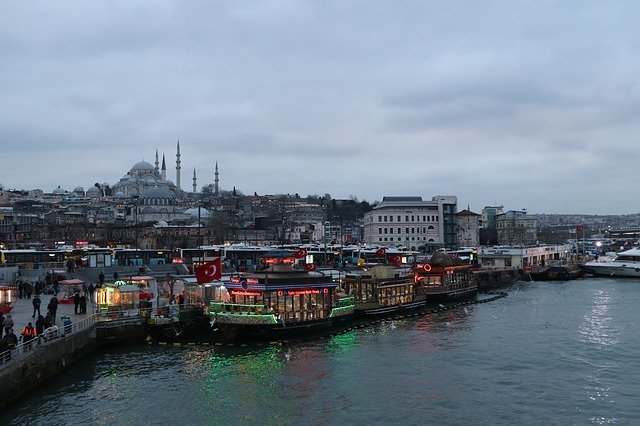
279	300
445	280
383	290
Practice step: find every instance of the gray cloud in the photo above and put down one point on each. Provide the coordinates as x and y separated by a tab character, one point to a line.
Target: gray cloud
530	105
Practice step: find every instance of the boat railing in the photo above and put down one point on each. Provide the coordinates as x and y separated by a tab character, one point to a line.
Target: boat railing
39	343
238	308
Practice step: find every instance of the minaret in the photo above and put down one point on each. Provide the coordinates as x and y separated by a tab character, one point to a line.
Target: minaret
178	166
215	182
163	174
194	180
157	169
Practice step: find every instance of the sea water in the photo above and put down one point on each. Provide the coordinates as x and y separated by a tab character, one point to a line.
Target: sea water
548	353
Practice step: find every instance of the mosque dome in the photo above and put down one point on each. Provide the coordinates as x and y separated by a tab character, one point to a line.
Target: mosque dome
119	194
193	212
161	223
93	192
59	190
142	165
79	190
157	193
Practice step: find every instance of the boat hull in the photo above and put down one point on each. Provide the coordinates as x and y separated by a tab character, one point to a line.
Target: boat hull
375	309
607	270
236	331
451	296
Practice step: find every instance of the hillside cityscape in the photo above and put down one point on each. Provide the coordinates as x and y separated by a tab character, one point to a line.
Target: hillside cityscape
145	209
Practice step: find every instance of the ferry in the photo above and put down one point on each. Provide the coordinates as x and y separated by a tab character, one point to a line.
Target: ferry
281	299
625	264
383	290
445	281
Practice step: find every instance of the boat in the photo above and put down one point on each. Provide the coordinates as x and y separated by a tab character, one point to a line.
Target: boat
280	299
625	264
384	290
553	273
444	280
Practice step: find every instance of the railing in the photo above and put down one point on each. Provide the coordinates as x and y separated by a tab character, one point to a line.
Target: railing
39	343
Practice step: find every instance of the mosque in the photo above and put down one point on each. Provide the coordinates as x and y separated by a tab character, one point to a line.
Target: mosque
156	195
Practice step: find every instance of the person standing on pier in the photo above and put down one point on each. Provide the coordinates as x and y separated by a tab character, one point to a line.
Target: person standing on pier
53	308
7	324
101	279
76	302
83	304
28	334
39	325
36	305
91	288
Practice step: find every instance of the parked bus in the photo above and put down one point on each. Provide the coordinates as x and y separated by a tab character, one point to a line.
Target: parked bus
32	259
139	257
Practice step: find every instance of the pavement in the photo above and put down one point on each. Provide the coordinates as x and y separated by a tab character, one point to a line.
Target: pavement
23	309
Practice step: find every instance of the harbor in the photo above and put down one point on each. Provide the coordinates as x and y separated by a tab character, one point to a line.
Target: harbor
556	352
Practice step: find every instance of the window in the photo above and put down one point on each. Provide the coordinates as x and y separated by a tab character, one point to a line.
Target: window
379	218
412	217
385	218
390	218
406	218
399	218
391	230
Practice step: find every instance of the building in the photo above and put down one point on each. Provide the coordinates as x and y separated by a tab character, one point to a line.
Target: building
521	257
412	223
468	228
516	228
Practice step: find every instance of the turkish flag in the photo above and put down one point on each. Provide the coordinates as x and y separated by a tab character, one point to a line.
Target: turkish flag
579	228
380	252
209	271
309	266
395	259
300	254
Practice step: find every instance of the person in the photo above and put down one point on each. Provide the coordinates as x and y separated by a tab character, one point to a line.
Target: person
29	290
115	276
1	322
91	289
70	265
10	340
179	299
39	325
53	308
83	304
36	305
141	270
7	324
76	302
48	321
101	278
28	334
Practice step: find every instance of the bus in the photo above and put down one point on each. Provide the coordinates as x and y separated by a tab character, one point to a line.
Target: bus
32	259
140	257
195	256
234	258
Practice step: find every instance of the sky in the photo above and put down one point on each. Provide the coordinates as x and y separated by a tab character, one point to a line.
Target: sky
527	104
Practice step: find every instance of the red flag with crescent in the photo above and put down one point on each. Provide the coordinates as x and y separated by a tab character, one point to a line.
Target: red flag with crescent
395	259
300	254
309	266
380	252
209	271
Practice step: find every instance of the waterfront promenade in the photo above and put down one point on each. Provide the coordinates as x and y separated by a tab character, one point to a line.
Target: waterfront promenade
23	309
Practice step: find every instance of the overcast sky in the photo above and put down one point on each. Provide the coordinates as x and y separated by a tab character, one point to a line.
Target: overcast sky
530	104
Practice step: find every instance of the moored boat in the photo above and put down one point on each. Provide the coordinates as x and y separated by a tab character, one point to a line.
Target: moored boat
445	282
383	290
625	264
280	300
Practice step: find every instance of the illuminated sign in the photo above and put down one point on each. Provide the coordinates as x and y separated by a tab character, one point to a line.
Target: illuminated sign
275	260
246	293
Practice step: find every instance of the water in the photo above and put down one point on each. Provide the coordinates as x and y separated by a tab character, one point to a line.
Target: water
549	353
